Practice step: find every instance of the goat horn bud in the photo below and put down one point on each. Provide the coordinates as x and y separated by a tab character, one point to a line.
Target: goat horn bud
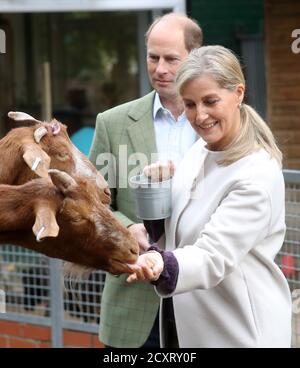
39	134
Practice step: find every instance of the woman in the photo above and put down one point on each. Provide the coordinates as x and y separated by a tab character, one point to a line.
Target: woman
228	220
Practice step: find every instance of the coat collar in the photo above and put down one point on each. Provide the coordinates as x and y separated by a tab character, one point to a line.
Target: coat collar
141	128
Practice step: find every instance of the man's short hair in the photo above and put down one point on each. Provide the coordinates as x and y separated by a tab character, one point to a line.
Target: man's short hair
193	36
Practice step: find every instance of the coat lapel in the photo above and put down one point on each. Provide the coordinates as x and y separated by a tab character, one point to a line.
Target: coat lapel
141	128
185	188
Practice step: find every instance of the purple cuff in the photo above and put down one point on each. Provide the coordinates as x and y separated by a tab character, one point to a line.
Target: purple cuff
167	280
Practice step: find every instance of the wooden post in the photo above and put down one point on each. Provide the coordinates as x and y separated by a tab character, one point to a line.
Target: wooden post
46	92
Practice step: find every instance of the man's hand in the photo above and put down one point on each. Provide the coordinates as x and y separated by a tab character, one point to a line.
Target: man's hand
148	267
140	233
160	171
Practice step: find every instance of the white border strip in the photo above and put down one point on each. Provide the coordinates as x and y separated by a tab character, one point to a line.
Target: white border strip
23	6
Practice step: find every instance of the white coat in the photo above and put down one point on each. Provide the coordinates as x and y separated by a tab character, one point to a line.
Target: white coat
227	225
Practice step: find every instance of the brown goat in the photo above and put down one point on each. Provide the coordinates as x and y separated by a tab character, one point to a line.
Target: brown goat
28	152
70	218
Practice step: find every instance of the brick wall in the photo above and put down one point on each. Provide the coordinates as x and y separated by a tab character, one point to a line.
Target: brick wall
22	335
283	77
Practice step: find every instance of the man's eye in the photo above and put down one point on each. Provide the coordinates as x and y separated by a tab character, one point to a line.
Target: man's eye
153	58
172	60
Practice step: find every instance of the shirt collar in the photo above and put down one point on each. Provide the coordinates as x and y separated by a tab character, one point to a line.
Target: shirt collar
157	105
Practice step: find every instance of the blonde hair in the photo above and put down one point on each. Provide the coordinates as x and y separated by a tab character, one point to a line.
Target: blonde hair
223	66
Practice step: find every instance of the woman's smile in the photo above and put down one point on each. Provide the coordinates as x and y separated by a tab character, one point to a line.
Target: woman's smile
208	127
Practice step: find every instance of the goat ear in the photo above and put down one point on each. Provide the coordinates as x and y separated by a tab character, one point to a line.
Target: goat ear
21	116
45	223
37	159
63	181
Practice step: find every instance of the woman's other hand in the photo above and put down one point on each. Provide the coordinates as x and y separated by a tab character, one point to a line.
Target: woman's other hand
148	267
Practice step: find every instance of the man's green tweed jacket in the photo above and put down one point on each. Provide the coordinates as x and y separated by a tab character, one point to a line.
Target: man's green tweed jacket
128	311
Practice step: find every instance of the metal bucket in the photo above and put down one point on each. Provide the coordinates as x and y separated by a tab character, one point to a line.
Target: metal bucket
152	199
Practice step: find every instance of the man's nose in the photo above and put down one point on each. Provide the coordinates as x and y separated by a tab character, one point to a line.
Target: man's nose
161	67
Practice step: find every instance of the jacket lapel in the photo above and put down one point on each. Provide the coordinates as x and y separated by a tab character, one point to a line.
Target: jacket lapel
141	128
186	187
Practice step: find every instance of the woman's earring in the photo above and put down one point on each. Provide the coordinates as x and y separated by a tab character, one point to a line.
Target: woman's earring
240	105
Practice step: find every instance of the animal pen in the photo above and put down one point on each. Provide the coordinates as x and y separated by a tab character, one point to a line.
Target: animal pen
36	294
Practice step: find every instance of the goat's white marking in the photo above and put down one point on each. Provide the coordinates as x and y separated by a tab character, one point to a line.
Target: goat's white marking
99	225
38	236
80	166
35	164
100	228
100	183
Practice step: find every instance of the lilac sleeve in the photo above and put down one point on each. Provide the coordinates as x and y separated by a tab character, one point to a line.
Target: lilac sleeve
168	278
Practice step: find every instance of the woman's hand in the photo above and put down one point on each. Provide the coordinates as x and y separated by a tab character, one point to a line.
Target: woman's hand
148	267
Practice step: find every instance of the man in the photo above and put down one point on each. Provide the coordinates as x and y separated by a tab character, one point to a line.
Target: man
155	123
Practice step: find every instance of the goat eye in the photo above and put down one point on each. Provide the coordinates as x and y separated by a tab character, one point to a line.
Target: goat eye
64	156
77	219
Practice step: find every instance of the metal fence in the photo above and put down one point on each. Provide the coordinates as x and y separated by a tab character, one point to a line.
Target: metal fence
289	256
35	291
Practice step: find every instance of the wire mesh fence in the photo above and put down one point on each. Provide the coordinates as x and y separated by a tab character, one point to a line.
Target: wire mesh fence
289	256
24	276
35	291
